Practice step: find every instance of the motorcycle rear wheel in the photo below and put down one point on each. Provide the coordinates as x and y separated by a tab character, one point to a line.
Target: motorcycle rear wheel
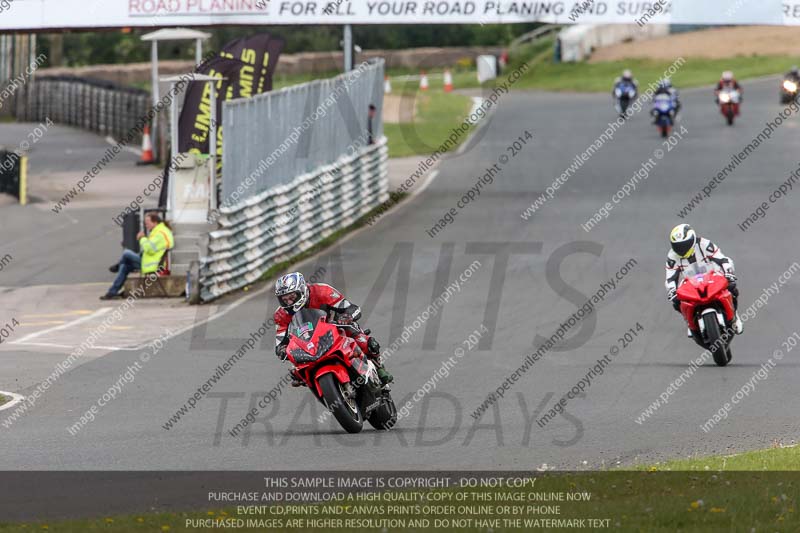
719	352
347	413
385	416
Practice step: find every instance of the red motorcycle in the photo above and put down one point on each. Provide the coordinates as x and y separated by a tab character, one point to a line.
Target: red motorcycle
338	373
707	306
729	100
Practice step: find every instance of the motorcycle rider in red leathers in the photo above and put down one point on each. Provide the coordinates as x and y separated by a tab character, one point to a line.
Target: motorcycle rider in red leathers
728	82
688	248
294	294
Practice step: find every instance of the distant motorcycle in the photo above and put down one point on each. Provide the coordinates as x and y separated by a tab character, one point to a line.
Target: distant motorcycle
337	373
789	89
729	104
664	112
707	306
624	93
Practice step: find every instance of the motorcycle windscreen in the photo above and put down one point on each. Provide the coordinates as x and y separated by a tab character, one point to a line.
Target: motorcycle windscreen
662	103
696	277
301	331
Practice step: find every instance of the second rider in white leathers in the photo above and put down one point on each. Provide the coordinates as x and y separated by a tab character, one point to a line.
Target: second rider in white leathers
688	248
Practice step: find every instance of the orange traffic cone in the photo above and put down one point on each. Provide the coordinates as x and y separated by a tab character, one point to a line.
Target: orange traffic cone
147	148
448	81
423	82
387	85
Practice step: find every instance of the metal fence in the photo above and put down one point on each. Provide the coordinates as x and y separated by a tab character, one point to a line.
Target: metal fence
282	222
272	138
94	105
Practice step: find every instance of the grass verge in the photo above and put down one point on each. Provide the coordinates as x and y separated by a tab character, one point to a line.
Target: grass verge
437	114
655	502
779	459
4	399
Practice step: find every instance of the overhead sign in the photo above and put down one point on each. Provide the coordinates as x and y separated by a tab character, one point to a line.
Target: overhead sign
52	14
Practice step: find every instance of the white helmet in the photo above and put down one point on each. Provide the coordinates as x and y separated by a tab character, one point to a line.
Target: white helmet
683	238
727	75
292	284
627	74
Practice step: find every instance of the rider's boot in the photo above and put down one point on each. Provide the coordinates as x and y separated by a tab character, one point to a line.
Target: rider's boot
374	351
738	325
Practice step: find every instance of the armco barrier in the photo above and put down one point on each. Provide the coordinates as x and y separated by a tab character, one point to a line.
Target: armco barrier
94	105
278	224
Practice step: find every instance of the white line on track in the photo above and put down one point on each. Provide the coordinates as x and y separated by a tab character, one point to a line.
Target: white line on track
70	346
99	312
15	399
110	140
215	316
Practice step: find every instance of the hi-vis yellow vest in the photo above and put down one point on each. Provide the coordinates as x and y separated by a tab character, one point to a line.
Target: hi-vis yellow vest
155	246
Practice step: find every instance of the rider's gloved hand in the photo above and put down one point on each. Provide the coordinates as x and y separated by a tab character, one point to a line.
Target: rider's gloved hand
731	277
280	351
344	318
672	294
373	346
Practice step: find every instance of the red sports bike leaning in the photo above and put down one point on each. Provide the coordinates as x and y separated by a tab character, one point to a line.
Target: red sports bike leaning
707	306
337	372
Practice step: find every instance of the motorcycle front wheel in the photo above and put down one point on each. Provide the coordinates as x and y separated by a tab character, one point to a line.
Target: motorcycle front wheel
718	347
345	410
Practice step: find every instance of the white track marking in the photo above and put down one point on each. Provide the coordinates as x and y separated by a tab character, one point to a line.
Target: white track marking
71	346
110	140
215	316
15	399
86	318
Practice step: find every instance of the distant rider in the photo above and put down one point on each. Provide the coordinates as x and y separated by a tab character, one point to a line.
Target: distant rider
728	82
626	79
793	75
294	294
688	248
665	87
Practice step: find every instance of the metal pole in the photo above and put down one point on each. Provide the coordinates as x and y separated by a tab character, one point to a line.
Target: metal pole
33	51
198	52
173	118
212	145
156	97
2	58
348	48
173	123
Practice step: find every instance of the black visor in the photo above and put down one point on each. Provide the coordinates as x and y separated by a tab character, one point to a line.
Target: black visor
683	247
284	298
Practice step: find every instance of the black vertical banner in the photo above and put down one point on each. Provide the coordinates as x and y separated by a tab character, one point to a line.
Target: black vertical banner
247	66
195	120
259	54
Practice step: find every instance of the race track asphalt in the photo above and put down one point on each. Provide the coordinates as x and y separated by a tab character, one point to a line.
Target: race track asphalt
533	275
